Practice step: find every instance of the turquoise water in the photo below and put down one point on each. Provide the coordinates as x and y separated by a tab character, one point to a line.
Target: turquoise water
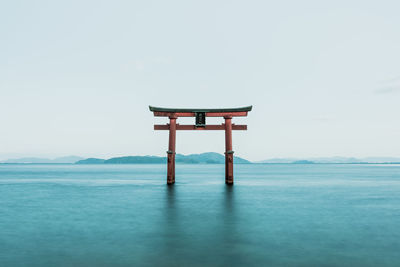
274	215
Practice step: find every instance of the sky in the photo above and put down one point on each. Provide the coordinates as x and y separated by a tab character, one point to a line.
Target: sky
76	77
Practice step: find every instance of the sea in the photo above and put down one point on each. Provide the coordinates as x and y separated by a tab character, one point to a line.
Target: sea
126	215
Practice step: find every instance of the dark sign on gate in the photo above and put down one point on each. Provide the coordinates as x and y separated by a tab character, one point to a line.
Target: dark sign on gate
200	119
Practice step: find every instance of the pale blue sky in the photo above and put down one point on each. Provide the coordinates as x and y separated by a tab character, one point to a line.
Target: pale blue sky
76	77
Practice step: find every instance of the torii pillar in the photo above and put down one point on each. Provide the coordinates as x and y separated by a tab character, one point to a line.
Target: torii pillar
200	114
171	150
228	150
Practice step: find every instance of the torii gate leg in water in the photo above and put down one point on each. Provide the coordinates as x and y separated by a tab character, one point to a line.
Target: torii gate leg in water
174	113
228	151
171	151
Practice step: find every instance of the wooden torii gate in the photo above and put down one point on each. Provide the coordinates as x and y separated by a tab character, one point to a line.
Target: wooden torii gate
200	114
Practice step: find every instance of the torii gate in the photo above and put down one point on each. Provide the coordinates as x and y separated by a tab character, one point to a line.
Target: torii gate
200	114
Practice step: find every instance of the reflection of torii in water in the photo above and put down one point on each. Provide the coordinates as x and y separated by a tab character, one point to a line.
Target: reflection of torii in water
200	114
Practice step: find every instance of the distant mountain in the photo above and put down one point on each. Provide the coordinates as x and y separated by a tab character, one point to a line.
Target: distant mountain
136	160
27	160
69	159
303	162
207	158
278	160
341	160
91	161
381	159
203	158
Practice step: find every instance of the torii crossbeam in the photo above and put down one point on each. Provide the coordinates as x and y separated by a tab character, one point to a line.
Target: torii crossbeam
201	114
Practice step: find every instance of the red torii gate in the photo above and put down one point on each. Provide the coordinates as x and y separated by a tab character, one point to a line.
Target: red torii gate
200	114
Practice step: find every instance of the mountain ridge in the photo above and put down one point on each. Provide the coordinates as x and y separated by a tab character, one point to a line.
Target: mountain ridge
203	158
333	160
34	160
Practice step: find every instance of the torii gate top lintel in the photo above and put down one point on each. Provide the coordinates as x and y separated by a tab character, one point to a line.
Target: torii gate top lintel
200	114
248	108
208	112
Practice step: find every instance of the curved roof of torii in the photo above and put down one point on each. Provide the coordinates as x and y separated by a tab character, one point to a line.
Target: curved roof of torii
210	110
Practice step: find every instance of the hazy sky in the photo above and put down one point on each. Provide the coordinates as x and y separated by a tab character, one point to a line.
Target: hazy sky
76	77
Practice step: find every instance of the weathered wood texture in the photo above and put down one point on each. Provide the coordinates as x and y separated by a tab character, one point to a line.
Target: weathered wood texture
193	127
193	114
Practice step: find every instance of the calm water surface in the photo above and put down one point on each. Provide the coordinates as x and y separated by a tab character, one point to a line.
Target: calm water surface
274	215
